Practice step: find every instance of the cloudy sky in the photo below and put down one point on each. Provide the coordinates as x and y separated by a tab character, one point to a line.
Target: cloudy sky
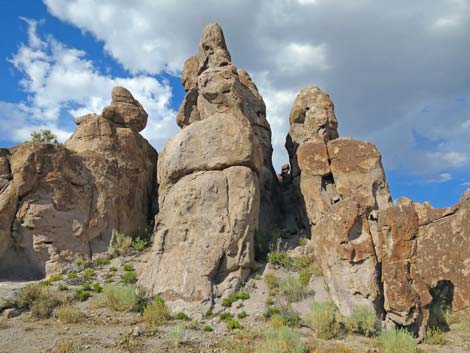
397	71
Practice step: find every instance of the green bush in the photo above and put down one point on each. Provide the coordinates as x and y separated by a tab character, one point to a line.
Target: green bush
113	269
279	259
209	313
89	274
129	277
82	294
227	302
68	314
283	314
121	298
304	276
86	286
362	321
97	287
56	278
397	341
182	316
139	244
71	275
324	319
128	267
302	241
207	328
271	280
63	287
225	316
242	314
156	313
281	340
120	244
40	299
233	324
101	261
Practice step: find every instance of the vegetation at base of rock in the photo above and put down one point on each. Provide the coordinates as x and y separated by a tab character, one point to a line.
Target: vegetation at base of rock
128	267
397	341
40	299
324	319
101	261
265	241
156	313
282	316
89	274
362	321
271	281
82	294
68	314
227	302
302	241
120	244
207	328
121	298
279	259
139	244
281	340
44	135
129	277
56	278
434	336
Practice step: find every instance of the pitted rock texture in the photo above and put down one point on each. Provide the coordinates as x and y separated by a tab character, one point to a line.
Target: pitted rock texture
61	202
216	181
339	183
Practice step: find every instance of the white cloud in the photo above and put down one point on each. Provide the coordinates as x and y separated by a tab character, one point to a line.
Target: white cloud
450	159
441	178
466	183
63	84
296	58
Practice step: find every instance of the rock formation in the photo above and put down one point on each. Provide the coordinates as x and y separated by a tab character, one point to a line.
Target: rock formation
58	202
214	177
340	183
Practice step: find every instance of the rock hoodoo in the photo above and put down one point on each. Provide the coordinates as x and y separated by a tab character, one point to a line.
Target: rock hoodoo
59	202
214	177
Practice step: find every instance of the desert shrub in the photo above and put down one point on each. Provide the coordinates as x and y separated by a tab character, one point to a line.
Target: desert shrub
63	287
292	289
40	299
271	280
209	313
121	298
71	275
128	267
269	300
281	340
233	324
156	313
316	346
139	244
82	294
225	316
302	241
277	321
279	259
362	321
242	314
86	286
56	278
324	319
120	244
129	277
101	261
227	302
434	336
97	287
113	269
68	314
207	328
66	346
89	274
282	314
397	341
183	316
44	135
177	335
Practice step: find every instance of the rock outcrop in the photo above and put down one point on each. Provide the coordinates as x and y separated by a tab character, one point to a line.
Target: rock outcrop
214	177
340	183
59	202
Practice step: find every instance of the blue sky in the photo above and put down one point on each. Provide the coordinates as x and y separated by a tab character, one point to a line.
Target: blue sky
398	72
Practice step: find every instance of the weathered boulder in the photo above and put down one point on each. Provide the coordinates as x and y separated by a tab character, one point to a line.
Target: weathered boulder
63	201
340	183
215	181
423	260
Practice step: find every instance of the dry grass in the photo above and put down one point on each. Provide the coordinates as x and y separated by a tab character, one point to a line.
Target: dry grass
156	313
69	314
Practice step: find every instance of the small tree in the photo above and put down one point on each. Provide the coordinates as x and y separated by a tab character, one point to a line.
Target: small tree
44	135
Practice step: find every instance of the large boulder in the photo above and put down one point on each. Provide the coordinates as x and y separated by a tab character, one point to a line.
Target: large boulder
60	202
216	182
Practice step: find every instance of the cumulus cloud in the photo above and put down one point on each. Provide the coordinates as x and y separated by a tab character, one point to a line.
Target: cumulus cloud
381	62
62	83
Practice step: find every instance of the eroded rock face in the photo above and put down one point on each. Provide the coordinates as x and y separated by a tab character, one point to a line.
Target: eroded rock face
59	202
215	176
340	183
421	250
